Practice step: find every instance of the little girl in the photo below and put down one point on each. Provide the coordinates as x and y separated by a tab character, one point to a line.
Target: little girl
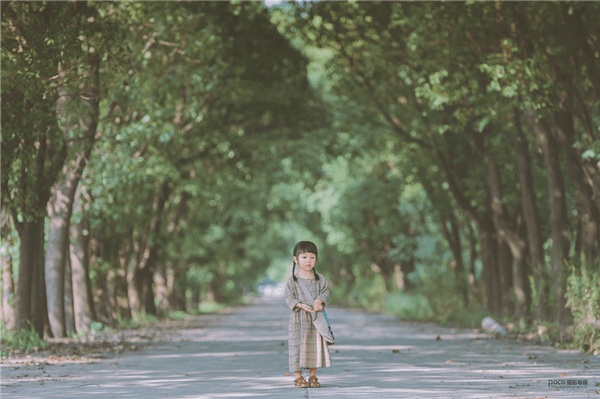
308	349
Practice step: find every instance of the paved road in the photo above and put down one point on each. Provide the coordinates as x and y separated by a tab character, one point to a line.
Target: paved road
242	353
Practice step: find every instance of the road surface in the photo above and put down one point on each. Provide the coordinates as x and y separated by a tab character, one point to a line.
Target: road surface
242	353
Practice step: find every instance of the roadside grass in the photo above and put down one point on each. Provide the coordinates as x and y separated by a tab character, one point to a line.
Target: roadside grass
27	340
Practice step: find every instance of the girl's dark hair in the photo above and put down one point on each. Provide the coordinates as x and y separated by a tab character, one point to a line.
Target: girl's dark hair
301	248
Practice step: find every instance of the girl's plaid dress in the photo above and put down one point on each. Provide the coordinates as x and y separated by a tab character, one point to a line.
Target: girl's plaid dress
307	347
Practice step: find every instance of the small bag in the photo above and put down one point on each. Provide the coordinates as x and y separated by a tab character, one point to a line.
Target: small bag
320	319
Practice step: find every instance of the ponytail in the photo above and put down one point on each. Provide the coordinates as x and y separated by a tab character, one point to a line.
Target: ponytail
294	271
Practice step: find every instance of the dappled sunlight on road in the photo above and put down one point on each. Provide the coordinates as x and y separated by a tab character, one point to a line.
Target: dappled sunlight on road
243	353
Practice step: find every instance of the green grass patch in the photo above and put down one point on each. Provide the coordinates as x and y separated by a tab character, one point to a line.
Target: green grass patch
177	315
25	339
408	307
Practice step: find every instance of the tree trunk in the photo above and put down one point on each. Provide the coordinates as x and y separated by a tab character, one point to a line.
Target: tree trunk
406	268
69	306
134	282
148	292
588	214
38	304
175	276
214	290
514	276
532	219
162	290
177	285
59	212
157	241
194	302
490	290
8	288
504	277
141	268
7	311
457	264
108	308
112	280
83	303
472	258
81	117
30	234
559	225
125	255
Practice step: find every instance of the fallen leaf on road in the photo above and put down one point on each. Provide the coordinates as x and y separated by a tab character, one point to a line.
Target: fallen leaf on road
448	361
395	351
438	338
347	370
287	375
564	375
500	376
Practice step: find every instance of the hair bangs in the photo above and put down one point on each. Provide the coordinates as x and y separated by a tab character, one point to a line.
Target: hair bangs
305	246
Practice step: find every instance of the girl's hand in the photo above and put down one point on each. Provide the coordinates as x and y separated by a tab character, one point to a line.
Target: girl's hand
306	308
318	305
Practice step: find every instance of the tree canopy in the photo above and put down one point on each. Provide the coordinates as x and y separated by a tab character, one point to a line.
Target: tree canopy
438	153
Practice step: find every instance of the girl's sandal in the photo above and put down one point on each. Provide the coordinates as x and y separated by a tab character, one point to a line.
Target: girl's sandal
300	382
313	382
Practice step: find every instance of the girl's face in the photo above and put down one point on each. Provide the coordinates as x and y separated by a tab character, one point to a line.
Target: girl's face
306	261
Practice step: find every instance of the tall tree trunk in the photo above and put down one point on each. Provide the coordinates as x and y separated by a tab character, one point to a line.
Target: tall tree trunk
104	299
30	234
79	111
491	290
125	255
406	268
532	219
514	276
174	276
148	292
59	212
194	301
162	290
7	310
452	236
134	277
472	258
38	304
112	280
8	289
504	276
69	306
559	225
177	285
157	241
588	214
83	303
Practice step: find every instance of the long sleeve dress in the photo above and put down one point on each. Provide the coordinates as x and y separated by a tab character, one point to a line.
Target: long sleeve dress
307	347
